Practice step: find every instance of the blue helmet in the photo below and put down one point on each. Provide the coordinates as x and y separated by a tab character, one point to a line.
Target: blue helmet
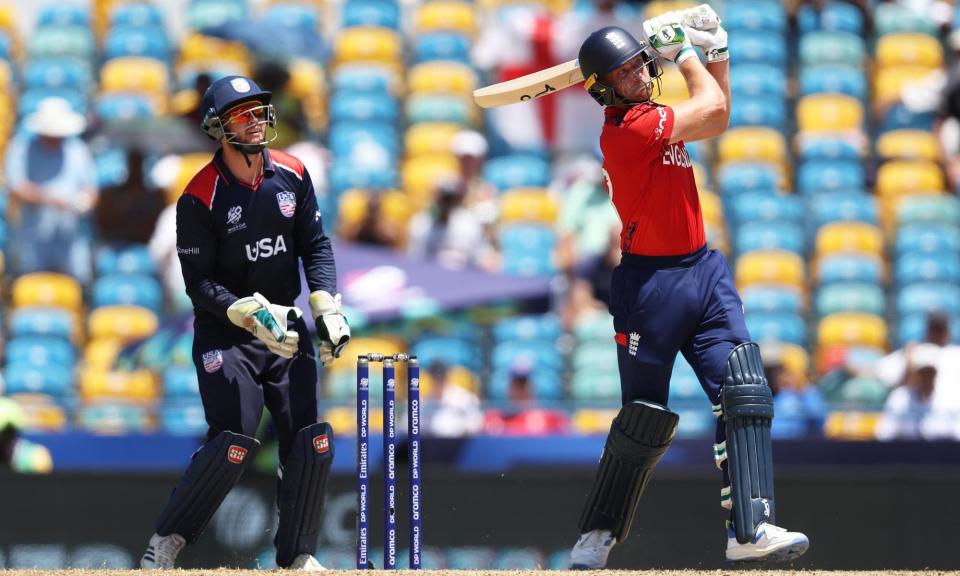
228	93
606	50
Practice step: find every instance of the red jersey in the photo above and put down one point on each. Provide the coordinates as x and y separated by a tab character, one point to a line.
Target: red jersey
651	182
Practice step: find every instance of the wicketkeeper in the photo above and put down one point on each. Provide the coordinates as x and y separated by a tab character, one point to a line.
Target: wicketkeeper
244	223
670	293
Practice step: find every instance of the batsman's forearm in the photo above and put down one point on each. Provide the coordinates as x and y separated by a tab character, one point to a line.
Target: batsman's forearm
721	73
700	84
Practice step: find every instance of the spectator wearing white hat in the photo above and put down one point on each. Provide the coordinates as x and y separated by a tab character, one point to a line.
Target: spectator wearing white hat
911	412
52	177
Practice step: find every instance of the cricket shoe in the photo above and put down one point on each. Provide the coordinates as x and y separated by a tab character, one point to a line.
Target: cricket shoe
307	563
769	543
162	552
591	550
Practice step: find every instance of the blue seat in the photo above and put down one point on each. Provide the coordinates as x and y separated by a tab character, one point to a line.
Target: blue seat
203	14
547	383
684	383
538	354
3	233
344	175
123	106
759	49
527	249
441	46
42	321
830	175
764	111
740	177
150	42
114	418
769	235
129	14
913	328
754	206
899	117
517	170
40	351
57	73
925	297
132	259
535	327
451	351
834	78
183	419
834	17
778	326
757	80
130	289
850	297
931	237
363	78
360	107
429	107
827	147
344	136
765	17
30	99
385	14
850	268
927	267
841	206
293	16
933	209
63	15
771	298
6	44
62	41
180	382
833	48
24	378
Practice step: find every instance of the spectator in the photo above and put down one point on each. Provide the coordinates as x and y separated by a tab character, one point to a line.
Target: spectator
911	412
946	126
52	176
16	453
163	249
586	221
127	213
273	76
800	407
451	411
523	415
448	232
375	227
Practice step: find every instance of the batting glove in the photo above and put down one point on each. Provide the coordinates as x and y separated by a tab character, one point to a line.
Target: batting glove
669	40
703	27
332	325
268	322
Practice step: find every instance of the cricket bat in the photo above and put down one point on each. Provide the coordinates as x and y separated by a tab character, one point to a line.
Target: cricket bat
549	80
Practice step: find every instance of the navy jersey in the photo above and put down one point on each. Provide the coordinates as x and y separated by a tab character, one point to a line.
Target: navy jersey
234	239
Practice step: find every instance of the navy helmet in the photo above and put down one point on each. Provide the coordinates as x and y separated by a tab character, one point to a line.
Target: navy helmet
606	50
226	94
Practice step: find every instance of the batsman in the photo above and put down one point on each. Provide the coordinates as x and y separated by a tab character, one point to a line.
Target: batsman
244	224
671	294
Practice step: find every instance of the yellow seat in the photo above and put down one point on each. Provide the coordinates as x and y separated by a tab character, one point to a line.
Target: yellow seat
442	76
306	79
794	358
47	289
901	177
769	267
368	44
712	208
592	421
190	165
528	205
717	238
134	74
394	207
908	145
136	386
41	412
658	7
852	425
852	329
341	419
760	144
909	49
123	323
673	89
447	16
420	176
829	113
889	83
101	353
367	345
199	49
849	237
430	138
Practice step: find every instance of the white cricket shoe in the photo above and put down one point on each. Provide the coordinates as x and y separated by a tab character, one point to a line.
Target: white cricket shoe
769	543
162	552
591	550
306	562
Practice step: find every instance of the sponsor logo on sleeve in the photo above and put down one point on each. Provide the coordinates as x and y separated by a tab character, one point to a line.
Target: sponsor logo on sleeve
212	361
288	203
236	454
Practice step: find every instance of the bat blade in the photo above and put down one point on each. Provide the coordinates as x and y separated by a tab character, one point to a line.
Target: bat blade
529	87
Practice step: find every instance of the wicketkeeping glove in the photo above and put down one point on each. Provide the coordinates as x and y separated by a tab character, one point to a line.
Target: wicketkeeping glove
332	325
268	322
669	40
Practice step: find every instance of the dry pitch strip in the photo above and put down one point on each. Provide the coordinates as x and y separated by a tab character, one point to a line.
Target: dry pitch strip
752	572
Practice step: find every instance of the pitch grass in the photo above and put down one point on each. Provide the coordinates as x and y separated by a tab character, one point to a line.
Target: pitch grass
752	572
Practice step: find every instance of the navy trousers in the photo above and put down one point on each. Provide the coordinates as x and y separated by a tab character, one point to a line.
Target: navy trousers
664	305
239	376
